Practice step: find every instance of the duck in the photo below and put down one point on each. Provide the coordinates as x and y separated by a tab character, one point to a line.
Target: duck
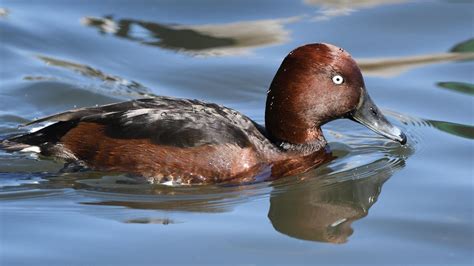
166	140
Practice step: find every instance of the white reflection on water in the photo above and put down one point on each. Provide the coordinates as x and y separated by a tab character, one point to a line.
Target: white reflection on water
234	38
120	85
4	12
394	66
330	9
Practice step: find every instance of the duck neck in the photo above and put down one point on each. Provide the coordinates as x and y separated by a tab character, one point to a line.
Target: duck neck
311	145
292	122
291	134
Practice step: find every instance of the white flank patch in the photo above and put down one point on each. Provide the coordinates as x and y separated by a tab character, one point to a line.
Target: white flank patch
170	183
137	112
338	222
34	149
34	129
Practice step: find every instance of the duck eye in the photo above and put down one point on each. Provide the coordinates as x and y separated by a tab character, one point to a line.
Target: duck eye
337	79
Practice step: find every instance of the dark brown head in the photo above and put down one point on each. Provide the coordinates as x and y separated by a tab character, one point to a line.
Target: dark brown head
315	84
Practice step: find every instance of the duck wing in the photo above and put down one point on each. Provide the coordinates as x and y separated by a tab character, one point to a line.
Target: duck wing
163	120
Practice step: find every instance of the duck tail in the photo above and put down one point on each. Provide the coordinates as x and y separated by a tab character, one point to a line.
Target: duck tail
12	146
36	141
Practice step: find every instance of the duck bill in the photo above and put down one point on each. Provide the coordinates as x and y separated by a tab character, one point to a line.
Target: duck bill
369	115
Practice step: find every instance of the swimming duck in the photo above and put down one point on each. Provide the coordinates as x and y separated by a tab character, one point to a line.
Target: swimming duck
183	141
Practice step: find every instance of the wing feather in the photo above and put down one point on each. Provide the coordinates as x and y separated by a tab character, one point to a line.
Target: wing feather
164	120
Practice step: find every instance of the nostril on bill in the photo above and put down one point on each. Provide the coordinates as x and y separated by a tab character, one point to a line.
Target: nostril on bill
373	111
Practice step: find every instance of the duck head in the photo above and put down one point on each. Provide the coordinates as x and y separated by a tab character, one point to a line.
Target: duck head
317	83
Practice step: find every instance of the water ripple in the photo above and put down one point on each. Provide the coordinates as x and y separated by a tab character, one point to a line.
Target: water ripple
329	199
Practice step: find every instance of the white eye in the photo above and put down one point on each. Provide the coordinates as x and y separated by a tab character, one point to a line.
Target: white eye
337	79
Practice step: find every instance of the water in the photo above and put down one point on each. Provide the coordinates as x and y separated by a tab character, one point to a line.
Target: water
377	202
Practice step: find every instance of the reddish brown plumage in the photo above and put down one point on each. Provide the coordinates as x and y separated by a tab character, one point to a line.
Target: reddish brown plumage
202	164
188	141
302	95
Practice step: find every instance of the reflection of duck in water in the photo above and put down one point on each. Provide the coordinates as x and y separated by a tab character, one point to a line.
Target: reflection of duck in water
316	211
320	206
210	39
240	37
